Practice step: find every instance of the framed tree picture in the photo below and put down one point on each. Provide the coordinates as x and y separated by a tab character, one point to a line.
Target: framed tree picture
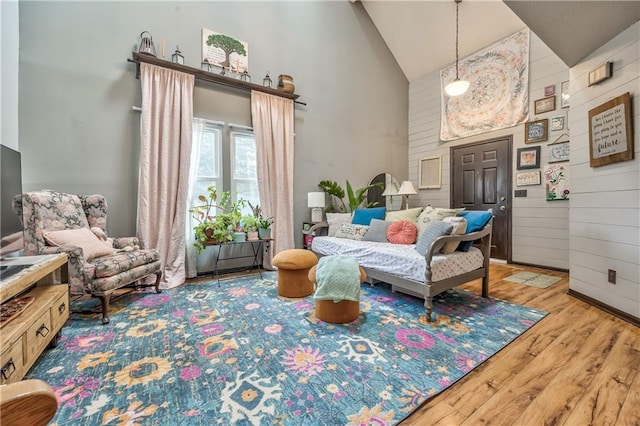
536	131
610	135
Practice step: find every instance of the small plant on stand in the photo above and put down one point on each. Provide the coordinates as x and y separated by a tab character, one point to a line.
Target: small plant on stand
249	224
263	225
215	228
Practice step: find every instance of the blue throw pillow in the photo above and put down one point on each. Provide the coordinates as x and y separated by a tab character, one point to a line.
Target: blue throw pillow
431	232
476	220
364	216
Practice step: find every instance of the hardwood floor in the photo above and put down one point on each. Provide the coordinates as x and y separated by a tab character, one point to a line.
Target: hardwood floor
577	366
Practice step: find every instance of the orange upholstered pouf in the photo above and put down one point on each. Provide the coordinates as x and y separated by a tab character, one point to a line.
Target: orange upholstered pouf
337	313
293	272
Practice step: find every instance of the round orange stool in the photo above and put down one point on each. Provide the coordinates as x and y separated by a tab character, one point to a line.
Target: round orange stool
337	313
293	270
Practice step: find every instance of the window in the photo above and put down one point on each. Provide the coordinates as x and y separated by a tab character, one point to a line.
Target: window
232	169
209	159
244	177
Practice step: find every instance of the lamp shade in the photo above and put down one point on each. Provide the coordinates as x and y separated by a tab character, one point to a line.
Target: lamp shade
390	190
315	199
407	188
457	87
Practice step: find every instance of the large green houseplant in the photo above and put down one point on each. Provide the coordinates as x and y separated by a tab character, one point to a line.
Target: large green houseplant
218	218
355	199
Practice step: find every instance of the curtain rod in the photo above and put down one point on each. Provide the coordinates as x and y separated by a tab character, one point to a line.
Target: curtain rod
217	123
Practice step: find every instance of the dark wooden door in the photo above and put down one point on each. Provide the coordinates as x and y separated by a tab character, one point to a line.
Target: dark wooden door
481	180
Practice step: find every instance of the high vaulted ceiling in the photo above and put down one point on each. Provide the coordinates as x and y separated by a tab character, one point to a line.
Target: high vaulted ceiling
421	34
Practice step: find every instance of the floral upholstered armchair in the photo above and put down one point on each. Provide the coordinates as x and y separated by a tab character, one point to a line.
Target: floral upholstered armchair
55	222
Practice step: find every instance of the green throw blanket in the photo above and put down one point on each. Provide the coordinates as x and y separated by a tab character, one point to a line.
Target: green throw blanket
338	279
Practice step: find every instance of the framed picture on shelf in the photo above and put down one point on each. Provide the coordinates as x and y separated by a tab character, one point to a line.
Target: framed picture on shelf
528	178
529	158
536	131
544	105
564	94
550	90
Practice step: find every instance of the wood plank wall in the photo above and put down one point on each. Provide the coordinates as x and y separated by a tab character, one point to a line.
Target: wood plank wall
540	228
605	201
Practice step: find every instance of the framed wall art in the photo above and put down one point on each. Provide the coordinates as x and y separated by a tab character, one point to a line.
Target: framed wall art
550	90
557	123
528	178
544	105
430	173
559	152
536	131
556	182
529	158
610	136
224	51
564	94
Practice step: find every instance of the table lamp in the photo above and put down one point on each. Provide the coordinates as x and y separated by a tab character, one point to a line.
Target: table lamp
389	191
406	189
315	201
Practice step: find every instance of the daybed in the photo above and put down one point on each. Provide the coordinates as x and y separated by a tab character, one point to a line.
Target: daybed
407	270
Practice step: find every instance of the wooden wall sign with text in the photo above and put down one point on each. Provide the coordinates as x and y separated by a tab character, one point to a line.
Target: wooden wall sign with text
610	132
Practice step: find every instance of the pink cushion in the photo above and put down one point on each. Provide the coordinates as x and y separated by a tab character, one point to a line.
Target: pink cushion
402	232
91	245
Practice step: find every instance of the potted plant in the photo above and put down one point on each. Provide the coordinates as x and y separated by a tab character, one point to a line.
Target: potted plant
264	227
355	198
217	216
250	226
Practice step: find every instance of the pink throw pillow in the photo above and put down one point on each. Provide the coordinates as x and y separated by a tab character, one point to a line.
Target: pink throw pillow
91	245
402	232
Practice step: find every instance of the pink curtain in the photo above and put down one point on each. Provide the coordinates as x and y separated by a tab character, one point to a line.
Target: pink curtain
166	126
273	130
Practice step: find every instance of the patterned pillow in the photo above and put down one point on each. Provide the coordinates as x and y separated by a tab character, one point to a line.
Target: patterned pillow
335	220
459	228
408	214
432	231
351	231
430	214
402	232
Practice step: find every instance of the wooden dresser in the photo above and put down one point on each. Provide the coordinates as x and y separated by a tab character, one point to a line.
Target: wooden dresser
25	337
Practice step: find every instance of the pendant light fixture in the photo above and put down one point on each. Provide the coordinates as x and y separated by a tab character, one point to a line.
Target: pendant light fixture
457	87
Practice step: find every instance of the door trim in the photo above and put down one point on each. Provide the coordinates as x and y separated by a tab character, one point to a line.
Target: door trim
509	184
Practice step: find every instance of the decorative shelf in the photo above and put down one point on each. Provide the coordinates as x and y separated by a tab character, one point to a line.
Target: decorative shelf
208	76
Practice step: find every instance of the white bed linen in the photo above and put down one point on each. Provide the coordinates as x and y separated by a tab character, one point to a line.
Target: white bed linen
401	260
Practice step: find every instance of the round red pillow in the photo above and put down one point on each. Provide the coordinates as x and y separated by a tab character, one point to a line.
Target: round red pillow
402	232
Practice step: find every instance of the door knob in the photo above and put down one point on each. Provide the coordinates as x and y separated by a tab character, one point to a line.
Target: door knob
503	208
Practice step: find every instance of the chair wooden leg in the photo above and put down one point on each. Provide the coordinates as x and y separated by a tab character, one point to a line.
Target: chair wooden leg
105	307
158	277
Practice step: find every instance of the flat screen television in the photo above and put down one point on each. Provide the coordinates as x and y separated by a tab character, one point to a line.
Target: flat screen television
11	184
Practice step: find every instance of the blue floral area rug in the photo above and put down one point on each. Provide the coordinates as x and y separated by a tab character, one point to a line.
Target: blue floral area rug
237	353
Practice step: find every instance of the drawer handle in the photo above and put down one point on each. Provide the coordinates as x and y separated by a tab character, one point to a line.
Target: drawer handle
62	308
41	332
8	369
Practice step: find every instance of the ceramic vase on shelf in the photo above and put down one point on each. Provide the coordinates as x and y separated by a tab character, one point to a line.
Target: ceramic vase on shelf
285	83
264	233
252	236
